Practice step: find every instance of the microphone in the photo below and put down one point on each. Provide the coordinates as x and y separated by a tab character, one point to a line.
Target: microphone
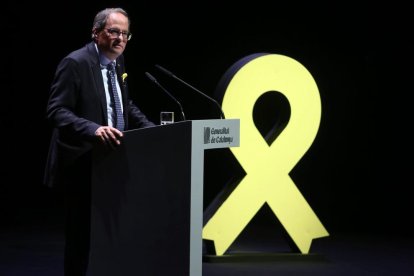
154	80
168	73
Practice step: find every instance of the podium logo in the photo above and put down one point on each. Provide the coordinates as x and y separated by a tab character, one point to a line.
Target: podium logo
207	135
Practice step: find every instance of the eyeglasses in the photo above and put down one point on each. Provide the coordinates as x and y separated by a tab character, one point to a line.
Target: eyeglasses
115	33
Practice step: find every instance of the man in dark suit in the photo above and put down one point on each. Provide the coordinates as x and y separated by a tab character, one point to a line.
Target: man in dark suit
83	113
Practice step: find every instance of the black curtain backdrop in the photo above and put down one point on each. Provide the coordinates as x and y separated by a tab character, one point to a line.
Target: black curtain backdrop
356	175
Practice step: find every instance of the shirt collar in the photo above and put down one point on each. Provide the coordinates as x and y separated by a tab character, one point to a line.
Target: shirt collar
103	60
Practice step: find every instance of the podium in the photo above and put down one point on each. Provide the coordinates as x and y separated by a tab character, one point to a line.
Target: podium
147	199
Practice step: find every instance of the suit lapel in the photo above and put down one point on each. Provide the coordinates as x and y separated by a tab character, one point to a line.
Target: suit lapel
97	75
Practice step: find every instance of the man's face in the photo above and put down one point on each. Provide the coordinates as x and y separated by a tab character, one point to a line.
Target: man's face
113	38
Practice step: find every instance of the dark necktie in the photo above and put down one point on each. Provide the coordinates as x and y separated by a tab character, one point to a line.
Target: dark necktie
119	118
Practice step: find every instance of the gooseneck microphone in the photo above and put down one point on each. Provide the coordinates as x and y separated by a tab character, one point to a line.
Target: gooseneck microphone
168	73
154	80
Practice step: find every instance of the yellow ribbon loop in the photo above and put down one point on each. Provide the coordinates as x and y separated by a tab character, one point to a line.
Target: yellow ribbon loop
267	167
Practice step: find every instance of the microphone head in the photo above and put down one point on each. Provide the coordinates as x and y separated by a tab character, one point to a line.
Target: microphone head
162	69
151	77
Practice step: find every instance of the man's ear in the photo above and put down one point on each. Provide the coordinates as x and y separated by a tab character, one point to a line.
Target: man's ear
94	34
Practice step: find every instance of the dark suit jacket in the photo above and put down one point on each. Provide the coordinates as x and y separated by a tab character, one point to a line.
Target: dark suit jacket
77	107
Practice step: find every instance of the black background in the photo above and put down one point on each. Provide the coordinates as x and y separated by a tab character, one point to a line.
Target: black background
356	175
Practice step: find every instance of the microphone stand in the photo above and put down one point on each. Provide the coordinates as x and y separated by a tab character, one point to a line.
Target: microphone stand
154	80
165	71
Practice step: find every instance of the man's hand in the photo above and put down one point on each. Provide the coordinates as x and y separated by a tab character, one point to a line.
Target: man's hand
109	136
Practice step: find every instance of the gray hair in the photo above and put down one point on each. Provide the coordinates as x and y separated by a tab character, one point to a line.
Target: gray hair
101	18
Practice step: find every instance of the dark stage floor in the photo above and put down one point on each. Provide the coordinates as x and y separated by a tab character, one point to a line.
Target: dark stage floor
36	249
